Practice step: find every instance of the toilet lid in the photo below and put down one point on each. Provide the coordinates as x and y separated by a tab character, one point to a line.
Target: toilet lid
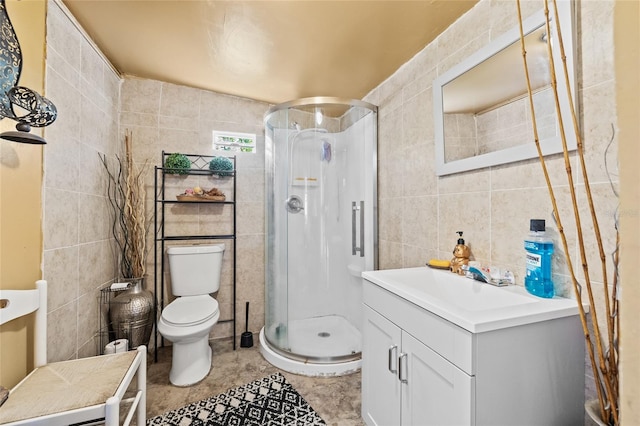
190	310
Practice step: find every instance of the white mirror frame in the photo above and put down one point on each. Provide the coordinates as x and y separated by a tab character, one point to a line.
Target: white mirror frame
528	150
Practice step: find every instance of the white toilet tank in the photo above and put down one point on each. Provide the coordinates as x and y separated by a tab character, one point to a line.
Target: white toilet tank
195	270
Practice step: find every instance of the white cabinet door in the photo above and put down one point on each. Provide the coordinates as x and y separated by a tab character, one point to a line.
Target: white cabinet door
434	391
380	384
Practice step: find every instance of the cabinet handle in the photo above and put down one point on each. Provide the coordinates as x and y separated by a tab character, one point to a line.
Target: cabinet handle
402	371
393	351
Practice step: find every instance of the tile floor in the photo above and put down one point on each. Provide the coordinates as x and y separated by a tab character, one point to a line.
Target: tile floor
336	399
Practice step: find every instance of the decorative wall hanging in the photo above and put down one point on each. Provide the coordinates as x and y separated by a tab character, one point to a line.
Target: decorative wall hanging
40	111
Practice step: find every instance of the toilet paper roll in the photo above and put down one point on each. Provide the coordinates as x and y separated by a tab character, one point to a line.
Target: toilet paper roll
117	346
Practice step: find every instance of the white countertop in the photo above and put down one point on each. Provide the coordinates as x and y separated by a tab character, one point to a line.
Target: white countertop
475	306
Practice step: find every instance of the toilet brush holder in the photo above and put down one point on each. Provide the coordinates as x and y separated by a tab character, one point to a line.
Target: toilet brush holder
246	339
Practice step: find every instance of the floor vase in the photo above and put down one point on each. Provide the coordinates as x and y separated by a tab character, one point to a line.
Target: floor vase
131	314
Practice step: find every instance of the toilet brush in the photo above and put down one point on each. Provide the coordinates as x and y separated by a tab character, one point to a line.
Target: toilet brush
246	339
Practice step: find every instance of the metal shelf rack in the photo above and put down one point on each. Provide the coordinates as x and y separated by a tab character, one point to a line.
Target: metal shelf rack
199	166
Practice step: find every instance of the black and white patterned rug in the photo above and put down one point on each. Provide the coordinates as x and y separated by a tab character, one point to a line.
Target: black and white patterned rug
268	401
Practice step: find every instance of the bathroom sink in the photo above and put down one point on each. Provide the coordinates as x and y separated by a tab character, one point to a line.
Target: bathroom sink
470	304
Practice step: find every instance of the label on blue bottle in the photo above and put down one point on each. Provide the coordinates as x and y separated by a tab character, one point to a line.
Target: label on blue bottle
533	260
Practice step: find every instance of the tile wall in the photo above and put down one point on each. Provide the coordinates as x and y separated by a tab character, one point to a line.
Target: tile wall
419	213
172	118
504	127
78	255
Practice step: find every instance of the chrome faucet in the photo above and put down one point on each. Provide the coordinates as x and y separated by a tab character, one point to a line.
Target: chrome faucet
480	275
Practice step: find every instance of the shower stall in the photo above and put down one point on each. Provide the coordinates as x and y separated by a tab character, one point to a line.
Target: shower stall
321	232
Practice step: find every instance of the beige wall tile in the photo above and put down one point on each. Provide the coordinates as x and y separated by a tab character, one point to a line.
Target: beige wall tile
68	102
415	256
141	96
606	203
77	258
63	37
455	57
472	181
177	123
219	107
62	332
467	212
390	255
599	124
61	272
112	83
88	320
504	15
390	219
250	280
58	65
144	142
419	171
94	126
595	36
91	177
215	219
180	102
418	216
250	218
93	218
390	159
63	164
96	265
250	185
175	140
92	67
528	174
61	218
138	119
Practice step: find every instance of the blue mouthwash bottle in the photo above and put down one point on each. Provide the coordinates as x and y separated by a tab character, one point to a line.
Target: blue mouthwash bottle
539	249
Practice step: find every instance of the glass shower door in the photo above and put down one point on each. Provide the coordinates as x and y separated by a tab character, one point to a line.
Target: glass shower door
320	230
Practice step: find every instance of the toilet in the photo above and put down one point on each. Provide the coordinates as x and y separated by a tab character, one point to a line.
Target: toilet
188	320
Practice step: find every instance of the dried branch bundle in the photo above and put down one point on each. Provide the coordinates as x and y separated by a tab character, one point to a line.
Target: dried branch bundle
605	369
126	193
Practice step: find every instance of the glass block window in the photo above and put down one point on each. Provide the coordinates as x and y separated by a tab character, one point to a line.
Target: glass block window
234	142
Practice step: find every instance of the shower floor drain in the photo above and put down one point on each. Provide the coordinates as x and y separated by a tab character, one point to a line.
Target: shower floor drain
324	334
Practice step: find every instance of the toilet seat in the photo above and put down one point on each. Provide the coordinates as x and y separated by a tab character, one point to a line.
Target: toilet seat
188	311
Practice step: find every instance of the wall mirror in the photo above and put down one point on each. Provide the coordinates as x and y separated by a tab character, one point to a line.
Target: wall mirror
481	106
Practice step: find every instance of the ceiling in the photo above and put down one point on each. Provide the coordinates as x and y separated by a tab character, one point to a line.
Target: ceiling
272	51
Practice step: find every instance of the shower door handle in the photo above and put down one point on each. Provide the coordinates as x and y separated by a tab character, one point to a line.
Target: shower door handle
355	208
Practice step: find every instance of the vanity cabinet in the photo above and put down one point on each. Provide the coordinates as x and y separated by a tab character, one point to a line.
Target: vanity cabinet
405	382
419	368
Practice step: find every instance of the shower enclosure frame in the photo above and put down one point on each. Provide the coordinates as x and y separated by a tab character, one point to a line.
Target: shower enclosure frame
287	359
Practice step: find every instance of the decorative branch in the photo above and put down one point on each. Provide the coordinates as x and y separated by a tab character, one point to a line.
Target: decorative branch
610	365
126	193
607	376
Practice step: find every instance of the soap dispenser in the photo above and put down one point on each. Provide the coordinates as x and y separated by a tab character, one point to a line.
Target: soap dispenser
461	255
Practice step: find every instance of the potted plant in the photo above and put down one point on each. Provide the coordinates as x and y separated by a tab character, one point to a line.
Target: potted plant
131	311
177	163
221	166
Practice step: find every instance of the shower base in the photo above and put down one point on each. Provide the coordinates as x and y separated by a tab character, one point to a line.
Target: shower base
333	341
